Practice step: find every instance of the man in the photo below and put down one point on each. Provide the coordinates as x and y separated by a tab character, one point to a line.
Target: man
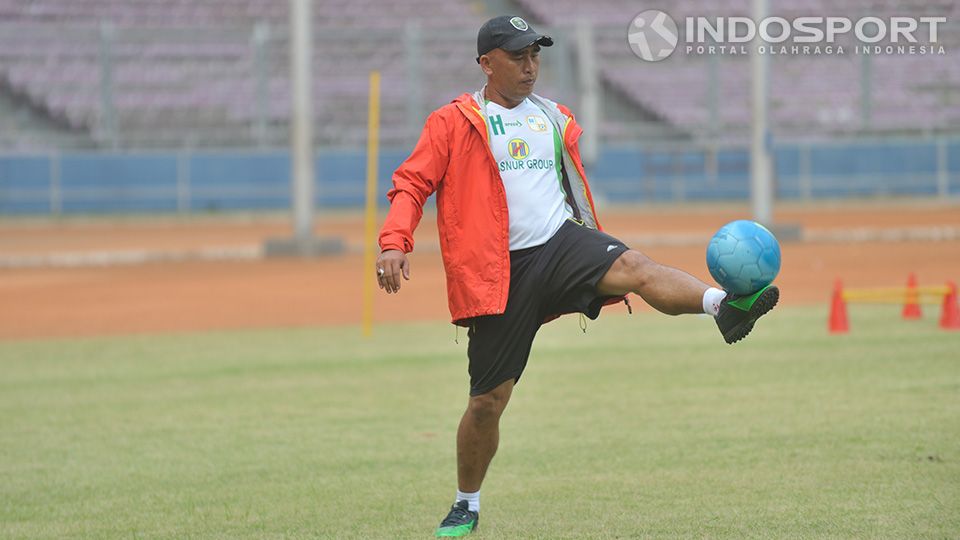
520	239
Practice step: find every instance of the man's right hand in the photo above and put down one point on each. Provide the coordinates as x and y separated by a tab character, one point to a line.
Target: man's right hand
390	265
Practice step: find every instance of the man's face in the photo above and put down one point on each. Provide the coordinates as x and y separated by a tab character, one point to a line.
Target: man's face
512	74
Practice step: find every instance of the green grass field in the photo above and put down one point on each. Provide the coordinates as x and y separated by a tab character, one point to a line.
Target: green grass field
647	426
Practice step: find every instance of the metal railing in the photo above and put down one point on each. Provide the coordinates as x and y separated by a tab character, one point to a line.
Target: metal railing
198	181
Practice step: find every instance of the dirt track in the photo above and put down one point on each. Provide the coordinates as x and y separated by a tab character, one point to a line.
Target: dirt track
198	295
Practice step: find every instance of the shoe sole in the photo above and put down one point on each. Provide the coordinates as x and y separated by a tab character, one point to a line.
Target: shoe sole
457	531
760	307
451	534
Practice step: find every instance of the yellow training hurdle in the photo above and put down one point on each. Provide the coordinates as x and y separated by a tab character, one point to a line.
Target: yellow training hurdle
910	296
896	295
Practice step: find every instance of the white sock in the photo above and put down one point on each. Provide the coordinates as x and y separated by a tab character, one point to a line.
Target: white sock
473	500
711	301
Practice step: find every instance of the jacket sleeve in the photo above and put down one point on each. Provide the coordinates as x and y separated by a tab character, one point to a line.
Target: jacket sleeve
413	182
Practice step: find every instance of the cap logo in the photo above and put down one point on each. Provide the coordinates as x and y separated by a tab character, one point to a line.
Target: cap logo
519	24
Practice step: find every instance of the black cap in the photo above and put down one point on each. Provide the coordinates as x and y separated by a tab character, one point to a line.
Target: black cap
509	33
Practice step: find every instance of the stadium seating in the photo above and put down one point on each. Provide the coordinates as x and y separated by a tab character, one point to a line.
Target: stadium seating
186	73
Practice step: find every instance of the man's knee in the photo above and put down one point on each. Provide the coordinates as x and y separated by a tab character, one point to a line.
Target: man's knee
489	406
637	267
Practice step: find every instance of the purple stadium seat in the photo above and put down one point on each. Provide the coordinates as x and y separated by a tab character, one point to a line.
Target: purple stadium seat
180	64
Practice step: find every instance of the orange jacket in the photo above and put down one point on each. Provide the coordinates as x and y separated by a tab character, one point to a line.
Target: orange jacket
453	159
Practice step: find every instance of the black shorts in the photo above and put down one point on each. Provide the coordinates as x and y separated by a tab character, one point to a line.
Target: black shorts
560	276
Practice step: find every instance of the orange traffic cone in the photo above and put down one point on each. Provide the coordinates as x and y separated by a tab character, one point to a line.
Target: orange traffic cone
911	305
838	311
950	317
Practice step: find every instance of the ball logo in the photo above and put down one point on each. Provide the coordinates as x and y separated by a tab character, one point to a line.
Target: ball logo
519	24
652	35
537	123
518	148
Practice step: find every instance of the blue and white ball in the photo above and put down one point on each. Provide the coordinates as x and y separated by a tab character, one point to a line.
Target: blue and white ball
743	257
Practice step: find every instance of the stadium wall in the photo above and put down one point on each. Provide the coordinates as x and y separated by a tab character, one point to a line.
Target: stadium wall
212	181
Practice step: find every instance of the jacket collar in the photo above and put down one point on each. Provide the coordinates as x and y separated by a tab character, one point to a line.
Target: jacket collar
474	113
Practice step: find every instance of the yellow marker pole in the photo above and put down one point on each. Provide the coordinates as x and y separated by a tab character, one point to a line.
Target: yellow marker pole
370	238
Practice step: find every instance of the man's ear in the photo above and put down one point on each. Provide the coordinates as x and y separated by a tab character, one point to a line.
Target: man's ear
486	65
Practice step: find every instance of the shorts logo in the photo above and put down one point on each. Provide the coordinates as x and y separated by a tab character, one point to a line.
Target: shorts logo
518	148
536	123
519	24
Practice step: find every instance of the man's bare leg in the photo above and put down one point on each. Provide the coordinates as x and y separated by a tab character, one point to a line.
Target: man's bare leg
666	289
479	435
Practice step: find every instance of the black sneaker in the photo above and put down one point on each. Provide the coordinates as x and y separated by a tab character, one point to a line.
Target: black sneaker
459	522
738	313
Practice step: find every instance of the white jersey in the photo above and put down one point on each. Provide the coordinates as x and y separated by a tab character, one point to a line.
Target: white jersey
527	149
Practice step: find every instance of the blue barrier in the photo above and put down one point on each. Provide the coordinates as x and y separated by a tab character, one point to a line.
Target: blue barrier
204	181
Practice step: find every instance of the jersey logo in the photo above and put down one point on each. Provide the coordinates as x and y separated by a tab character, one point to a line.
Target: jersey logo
496	124
518	148
536	123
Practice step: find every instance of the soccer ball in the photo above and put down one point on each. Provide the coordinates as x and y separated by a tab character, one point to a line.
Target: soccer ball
743	257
